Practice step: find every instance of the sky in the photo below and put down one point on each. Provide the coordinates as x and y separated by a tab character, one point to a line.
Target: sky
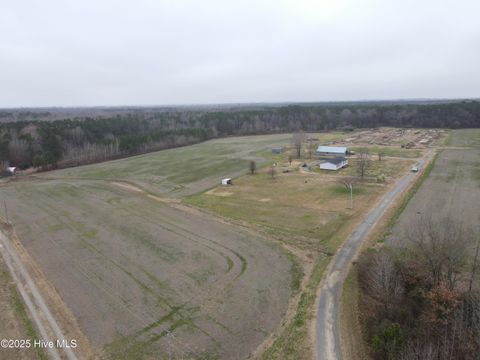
146	52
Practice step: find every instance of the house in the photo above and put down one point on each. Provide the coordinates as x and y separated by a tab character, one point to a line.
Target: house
332	150
333	163
227	181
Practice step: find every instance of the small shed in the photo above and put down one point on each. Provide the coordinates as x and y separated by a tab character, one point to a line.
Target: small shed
334	163
227	181
277	150
332	150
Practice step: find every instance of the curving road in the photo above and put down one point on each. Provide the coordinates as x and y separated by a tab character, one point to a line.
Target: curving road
327	326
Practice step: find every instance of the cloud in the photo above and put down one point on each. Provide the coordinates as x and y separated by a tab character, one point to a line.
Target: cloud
70	53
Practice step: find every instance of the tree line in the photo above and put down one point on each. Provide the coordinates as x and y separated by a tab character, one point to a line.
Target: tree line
80	140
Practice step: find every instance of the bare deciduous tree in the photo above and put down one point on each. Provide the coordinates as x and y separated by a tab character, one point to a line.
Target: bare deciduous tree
272	171
312	146
253	167
384	281
419	350
297	140
363	162
442	246
348	182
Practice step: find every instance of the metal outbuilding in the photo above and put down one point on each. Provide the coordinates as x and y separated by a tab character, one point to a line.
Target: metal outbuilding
332	150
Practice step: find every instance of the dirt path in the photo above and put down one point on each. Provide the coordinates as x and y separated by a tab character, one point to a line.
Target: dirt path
42	317
327	322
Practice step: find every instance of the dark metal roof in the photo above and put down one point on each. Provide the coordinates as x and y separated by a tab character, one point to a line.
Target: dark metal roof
336	160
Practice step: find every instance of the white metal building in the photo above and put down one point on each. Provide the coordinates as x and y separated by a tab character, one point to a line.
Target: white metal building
334	163
332	150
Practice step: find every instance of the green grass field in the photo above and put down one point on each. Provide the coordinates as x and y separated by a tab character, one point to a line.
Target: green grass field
304	210
184	170
388	167
191	169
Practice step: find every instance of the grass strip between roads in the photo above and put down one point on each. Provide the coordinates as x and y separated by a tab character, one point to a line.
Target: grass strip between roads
19	308
291	344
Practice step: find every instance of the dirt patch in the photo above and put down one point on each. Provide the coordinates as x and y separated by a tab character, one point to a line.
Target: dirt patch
127	186
218	192
385	136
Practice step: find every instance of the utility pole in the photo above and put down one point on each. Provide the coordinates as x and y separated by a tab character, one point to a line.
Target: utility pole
351	195
348	183
6	212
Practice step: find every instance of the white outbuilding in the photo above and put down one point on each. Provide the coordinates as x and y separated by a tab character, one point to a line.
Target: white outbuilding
334	163
227	181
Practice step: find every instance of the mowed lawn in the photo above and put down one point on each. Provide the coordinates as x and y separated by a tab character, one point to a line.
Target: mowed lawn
305	210
390	168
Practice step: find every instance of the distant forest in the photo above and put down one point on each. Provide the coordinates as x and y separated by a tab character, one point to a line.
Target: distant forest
40	138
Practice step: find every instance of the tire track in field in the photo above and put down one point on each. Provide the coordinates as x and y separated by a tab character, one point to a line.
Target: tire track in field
184	229
134	188
177	230
91	276
206	293
141	284
175	310
88	274
236	267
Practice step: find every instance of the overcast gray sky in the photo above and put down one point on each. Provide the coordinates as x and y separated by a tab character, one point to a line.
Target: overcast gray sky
114	52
